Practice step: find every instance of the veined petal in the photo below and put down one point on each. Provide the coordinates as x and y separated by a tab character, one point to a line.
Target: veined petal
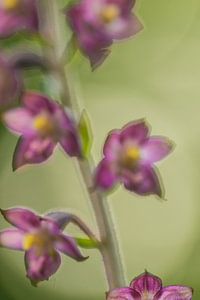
112	145
123	294
20	121
155	149
143	181
12	239
175	292
41	267
68	246
147	284
136	131
32	151
22	218
105	175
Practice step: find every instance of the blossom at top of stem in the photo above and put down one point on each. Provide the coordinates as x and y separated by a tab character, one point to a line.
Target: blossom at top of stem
41	238
98	23
149	287
129	157
42	124
17	15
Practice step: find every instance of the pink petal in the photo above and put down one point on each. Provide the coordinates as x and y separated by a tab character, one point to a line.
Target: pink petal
155	149
32	151
41	267
20	121
36	102
136	131
70	144
12	239
143	181
105	175
123	294
147	284
112	145
175	292
60	218
21	218
68	246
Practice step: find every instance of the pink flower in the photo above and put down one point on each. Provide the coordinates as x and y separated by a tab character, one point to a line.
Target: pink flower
98	23
149	287
42	124
129	157
41	238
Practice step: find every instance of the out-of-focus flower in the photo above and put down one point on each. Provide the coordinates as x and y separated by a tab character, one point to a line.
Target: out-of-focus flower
129	157
149	287
10	83
42	124
41	238
97	23
17	15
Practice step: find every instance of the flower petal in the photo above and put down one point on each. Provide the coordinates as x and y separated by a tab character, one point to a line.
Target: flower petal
68	246
155	149
147	284
143	181
60	218
70	144
137	131
12	239
112	145
36	102
22	218
123	294
41	267
32	151
175	292
20	121
105	176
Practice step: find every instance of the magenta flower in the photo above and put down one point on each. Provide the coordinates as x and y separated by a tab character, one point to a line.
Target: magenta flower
42	124
129	157
17	15
41	238
149	287
98	23
10	83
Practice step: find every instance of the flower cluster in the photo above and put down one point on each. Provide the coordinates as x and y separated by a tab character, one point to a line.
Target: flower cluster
149	287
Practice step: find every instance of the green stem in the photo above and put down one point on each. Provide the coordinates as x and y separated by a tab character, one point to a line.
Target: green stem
109	245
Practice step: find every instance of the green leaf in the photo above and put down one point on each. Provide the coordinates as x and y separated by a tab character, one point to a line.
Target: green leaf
86	243
85	133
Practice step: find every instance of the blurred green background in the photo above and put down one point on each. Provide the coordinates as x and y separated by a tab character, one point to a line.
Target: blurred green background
155	75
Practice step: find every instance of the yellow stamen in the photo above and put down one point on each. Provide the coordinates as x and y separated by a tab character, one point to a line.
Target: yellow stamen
110	13
31	240
42	242
131	156
44	125
10	4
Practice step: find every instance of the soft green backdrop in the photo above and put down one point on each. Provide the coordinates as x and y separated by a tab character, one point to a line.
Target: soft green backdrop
155	75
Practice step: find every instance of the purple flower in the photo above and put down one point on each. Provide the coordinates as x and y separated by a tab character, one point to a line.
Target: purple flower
149	287
10	83
129	157
41	238
42	124
17	15
98	23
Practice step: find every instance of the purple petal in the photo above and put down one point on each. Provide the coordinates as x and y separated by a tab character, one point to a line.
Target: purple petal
60	218
22	218
41	267
147	284
70	144
32	151
123	294
105	175
36	102
137	131
175	292
155	149
112	145
143	181
68	246
20	121
12	239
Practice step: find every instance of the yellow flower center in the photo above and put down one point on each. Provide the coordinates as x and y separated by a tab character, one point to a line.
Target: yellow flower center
44	125
110	13
131	156
10	4
42	242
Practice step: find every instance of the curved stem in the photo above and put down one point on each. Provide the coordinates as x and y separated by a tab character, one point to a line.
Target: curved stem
109	246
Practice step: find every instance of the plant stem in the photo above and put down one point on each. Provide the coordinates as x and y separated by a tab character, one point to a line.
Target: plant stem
109	246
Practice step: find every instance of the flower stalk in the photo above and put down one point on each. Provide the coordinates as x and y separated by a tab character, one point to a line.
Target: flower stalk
109	246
